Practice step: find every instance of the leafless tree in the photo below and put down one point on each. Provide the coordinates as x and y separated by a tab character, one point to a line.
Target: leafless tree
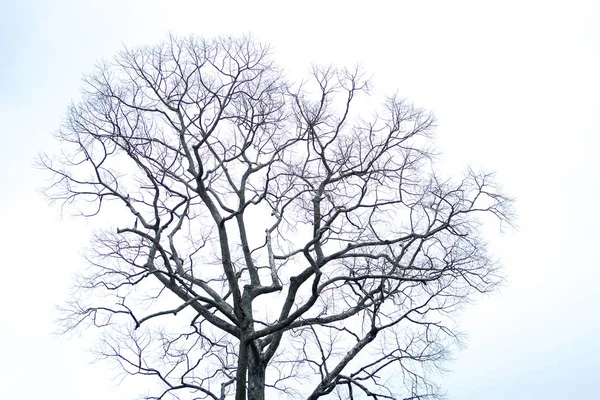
265	236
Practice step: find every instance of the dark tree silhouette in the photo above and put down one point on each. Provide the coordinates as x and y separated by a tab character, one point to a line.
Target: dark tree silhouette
266	237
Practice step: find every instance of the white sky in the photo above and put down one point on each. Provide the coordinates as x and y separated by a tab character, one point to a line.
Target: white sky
515	86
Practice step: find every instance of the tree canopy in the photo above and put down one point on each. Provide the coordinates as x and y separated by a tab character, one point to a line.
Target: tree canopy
265	237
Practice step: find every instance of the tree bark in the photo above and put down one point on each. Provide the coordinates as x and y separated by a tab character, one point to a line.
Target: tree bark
256	374
242	369
251	370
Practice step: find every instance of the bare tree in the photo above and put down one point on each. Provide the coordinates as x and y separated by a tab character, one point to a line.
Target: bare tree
269	237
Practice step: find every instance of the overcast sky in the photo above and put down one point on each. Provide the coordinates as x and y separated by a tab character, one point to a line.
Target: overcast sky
515	86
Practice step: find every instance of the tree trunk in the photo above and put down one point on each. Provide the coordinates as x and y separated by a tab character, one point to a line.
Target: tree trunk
242	369
251	367
251	370
256	374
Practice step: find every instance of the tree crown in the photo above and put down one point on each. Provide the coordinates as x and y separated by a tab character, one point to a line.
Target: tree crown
269	237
